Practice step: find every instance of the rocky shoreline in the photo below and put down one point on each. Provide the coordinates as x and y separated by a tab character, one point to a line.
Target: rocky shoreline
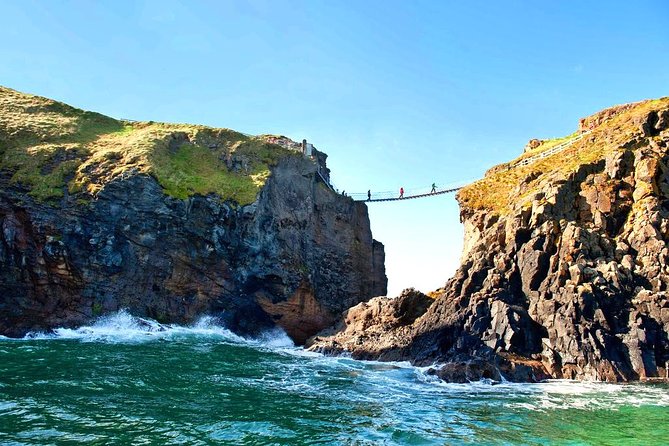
569	279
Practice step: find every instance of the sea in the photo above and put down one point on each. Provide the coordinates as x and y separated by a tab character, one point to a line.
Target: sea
124	380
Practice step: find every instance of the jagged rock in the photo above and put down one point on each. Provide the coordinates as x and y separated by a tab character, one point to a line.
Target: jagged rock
568	279
369	321
468	371
654	122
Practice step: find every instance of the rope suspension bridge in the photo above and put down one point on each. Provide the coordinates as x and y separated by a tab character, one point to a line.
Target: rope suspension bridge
432	191
392	195
408	195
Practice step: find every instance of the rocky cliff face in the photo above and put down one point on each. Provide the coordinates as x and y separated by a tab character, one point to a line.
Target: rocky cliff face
564	274
296	256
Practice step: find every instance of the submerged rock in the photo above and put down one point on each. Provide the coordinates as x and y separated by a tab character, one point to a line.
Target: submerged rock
564	273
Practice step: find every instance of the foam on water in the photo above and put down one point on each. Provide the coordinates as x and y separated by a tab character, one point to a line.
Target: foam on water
275	339
123	327
401	378
554	394
201	382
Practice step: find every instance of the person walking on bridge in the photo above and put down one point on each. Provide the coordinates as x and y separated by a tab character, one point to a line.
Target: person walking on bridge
369	195
401	192
434	188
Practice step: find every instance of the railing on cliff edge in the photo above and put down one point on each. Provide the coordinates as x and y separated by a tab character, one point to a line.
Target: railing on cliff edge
552	151
326	181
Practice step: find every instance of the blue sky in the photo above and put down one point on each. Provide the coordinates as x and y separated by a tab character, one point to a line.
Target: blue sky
398	93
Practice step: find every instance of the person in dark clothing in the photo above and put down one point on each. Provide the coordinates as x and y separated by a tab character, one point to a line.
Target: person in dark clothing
434	188
369	195
401	192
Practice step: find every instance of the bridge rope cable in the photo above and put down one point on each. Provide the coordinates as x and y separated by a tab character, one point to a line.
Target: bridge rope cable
451	187
409	193
394	196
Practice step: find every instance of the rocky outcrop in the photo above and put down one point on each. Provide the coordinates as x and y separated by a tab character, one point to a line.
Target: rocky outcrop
296	257
593	121
532	144
568	279
374	329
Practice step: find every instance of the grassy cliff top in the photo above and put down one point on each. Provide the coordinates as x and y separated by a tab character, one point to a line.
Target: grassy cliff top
52	148
608	131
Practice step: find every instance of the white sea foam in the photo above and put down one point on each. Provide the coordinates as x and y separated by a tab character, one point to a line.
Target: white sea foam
123	327
552	394
401	377
275	339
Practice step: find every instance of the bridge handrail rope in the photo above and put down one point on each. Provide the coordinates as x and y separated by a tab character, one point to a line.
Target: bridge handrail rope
409	193
393	196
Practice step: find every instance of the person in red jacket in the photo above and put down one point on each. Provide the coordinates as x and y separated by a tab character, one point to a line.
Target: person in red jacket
401	192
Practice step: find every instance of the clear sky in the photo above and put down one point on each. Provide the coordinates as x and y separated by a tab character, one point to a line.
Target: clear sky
398	93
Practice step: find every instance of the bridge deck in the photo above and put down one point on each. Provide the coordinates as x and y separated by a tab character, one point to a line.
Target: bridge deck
409	197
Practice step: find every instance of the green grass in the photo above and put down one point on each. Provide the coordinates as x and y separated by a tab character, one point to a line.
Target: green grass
50	147
195	169
499	191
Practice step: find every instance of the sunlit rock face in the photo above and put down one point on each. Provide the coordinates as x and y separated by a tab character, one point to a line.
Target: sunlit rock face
565	271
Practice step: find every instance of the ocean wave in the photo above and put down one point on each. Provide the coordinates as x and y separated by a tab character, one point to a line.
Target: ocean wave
401	381
275	339
123	327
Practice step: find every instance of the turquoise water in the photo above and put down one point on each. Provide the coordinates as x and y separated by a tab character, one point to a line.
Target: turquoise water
125	381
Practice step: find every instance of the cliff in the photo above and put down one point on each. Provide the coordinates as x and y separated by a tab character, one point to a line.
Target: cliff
564	272
170	221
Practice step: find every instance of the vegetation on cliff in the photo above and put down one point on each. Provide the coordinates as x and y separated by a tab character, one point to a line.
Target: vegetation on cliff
509	185
53	149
